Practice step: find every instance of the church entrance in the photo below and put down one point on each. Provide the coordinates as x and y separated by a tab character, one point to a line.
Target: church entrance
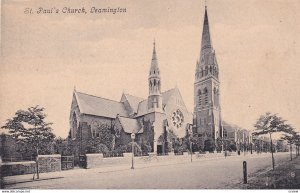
159	149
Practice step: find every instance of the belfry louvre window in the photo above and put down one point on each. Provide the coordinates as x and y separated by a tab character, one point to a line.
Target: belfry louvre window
206	96
199	97
95	133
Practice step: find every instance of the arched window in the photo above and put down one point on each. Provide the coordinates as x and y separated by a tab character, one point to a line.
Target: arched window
158	84
225	133
199	92
199	97
206	70
202	72
74	125
155	103
206	96
215	96
95	126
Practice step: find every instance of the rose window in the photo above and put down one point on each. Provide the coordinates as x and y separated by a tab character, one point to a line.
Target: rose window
177	118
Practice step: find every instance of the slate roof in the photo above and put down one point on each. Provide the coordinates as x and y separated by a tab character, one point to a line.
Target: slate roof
231	127
167	94
130	125
143	108
133	101
92	105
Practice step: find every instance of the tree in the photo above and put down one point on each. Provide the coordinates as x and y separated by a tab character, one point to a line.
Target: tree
280	146
146	148
198	142
209	144
219	144
105	135
269	124
60	146
297	143
171	138
95	145
29	127
137	148
291	138
231	146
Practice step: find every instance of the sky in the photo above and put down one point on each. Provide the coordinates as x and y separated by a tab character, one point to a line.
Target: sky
43	56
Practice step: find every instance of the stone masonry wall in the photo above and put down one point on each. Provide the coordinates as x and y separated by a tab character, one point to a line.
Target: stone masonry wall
49	163
97	160
17	168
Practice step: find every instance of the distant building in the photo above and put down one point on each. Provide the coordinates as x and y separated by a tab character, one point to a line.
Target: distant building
242	138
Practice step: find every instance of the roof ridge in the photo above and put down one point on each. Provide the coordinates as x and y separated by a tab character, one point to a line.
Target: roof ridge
126	117
98	97
141	102
169	90
235	125
134	96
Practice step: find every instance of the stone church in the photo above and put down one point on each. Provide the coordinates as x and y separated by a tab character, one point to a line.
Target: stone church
149	118
162	112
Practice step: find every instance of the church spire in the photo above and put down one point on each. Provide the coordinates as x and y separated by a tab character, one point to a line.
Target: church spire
154	64
206	40
154	98
207	64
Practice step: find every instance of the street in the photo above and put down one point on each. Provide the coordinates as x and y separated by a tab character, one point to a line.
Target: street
200	174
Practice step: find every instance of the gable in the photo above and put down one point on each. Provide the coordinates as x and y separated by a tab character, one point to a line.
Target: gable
142	108
130	125
132	101
172	100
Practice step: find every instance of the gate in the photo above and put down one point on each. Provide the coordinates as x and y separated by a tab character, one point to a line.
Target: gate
82	161
67	162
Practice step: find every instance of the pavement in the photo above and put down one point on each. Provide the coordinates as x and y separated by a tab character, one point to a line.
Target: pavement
210	173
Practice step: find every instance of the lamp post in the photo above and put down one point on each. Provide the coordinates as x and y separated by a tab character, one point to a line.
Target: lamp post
132	147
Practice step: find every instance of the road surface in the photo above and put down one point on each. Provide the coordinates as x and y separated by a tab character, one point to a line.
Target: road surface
200	174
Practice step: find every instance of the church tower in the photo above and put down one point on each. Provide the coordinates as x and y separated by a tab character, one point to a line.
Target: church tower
154	80
207	110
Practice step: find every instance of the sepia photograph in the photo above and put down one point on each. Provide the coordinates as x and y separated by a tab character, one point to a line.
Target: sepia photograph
151	94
